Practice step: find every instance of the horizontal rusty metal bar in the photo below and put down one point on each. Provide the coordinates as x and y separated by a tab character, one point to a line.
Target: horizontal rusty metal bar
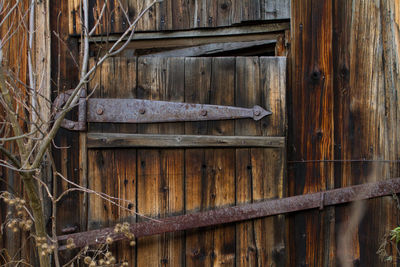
242	212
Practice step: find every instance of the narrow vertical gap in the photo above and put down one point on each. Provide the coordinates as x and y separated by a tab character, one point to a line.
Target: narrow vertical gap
183	257
137	164
235	151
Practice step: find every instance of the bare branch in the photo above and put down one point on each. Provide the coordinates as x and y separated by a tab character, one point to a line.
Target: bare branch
11	157
9	12
11	116
99	19
73	99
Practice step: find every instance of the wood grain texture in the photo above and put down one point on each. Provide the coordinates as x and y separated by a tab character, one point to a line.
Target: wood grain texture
344	83
104	140
312	126
248	77
195	176
15	61
64	75
177	14
220	163
172	181
161	79
274	9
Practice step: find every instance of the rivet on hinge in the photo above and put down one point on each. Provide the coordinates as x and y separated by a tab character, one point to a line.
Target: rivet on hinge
203	112
142	111
100	111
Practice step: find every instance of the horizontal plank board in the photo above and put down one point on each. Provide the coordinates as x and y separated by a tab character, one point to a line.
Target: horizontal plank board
173	43
108	140
211	49
225	31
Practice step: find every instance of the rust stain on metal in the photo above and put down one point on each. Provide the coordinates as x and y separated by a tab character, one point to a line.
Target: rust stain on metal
242	212
149	111
61	99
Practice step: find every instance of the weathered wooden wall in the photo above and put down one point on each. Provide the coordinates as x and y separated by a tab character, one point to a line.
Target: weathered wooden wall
165	182
343	105
15	58
177	14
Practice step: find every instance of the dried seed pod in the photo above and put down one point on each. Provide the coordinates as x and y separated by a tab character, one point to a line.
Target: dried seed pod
87	260
109	240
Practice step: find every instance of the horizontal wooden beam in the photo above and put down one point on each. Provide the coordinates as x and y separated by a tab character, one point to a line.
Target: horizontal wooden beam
210	49
240	213
105	140
200	33
163	44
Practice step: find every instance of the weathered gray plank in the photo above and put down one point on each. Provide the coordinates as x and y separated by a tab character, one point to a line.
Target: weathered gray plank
103	140
177	14
275	9
227	31
210	49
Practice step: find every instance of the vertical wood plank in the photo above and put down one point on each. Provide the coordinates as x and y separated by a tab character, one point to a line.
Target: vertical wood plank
149	21
64	74
251	10
224	12
180	15
221	162
217	173
74	20
160	185
95	89
101	213
311	135
270	182
247	94
119	18
343	150
124	86
149	196
172	163
125	174
197	87
275	9
365	80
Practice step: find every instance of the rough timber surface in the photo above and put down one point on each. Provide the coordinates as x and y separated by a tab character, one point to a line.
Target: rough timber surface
177	14
343	94
161	182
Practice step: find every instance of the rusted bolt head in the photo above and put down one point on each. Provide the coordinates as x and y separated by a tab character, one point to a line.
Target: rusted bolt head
203	112
100	111
257	112
142	111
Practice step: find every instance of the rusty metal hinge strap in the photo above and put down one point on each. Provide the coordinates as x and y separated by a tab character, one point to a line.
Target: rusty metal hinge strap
114	110
150	111
242	212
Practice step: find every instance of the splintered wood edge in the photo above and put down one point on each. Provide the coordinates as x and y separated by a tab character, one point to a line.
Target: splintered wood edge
109	140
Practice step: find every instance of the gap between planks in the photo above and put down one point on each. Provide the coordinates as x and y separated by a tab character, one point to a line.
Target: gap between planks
109	140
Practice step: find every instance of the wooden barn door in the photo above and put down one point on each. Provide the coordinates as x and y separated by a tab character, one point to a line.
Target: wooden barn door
179	179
